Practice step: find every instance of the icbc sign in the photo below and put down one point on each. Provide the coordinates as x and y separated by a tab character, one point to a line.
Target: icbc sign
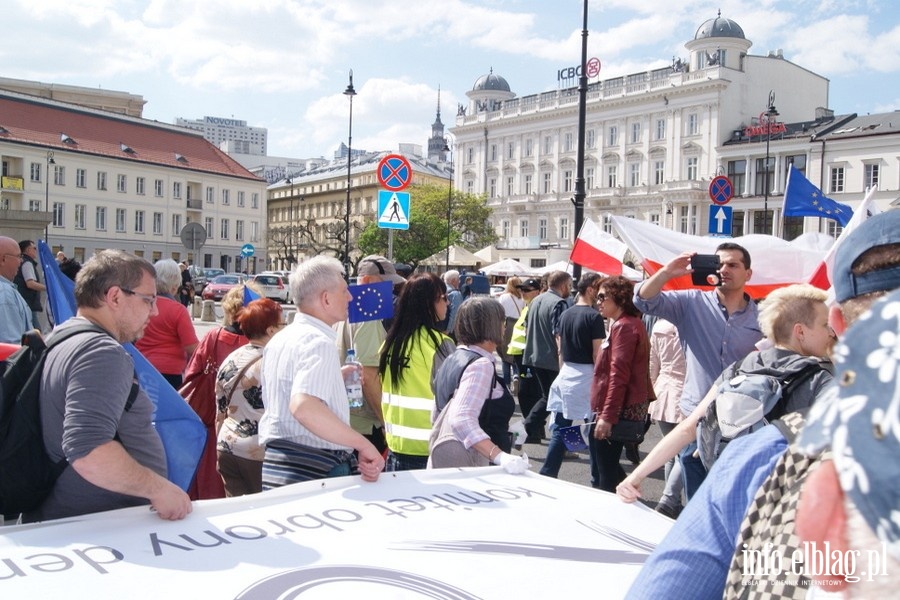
593	69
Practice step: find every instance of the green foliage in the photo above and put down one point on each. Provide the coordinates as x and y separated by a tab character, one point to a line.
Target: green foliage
428	231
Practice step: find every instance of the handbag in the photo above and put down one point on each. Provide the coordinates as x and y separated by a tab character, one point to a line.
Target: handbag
199	390
627	431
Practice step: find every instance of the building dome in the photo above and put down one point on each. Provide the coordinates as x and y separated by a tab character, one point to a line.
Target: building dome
491	82
719	28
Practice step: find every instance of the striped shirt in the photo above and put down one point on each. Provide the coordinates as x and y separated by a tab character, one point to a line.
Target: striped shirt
301	359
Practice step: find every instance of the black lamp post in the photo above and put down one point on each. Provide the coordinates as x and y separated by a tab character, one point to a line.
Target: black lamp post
771	113
580	193
449	204
290	256
50	161
349	92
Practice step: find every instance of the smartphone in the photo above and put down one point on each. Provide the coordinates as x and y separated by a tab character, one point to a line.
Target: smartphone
705	270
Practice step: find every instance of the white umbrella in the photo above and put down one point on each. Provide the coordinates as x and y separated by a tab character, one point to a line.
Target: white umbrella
507	267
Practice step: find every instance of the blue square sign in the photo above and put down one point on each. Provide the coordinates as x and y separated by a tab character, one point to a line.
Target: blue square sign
393	210
720	220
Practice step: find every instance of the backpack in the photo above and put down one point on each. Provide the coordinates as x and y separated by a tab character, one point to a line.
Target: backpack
27	473
745	402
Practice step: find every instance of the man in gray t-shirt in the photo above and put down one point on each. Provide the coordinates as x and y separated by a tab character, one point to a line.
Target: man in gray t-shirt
115	457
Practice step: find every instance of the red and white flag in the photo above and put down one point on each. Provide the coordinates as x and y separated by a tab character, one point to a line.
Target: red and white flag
775	262
821	277
598	250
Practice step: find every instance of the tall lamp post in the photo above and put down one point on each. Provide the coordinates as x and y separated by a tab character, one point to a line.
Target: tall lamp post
580	192
349	92
449	204
50	161
290	256
771	114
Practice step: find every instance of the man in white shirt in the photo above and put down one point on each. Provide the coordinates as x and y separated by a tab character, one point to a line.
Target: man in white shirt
306	427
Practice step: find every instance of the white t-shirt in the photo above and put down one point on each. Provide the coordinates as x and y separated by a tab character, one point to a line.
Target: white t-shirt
512	306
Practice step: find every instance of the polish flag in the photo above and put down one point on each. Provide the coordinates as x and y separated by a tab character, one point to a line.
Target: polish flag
821	277
598	250
774	261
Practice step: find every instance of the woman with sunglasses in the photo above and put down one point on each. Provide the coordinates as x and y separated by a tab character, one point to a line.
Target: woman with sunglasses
412	353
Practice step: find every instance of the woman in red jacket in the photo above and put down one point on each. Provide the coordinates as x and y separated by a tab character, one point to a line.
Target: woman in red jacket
620	389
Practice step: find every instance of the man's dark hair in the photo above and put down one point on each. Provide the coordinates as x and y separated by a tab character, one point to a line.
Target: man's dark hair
25	245
732	246
106	269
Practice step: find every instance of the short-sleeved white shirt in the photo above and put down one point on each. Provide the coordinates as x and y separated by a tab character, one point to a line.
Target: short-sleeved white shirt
301	359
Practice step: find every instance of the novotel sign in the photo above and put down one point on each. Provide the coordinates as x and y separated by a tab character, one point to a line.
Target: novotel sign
593	69
221	121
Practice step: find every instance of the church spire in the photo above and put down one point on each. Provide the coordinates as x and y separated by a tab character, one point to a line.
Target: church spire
436	141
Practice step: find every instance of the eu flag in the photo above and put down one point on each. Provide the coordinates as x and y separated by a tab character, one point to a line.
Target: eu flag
249	295
371	301
803	199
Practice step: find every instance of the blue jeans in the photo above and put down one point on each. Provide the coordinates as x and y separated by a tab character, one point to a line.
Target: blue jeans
556	449
405	462
692	470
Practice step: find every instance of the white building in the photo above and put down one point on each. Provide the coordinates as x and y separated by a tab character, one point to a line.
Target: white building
654	140
100	180
230	135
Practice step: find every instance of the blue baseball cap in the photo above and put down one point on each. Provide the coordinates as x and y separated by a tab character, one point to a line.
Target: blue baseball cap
860	420
877	230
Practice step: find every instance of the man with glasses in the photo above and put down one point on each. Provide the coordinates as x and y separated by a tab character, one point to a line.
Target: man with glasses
28	282
94	413
15	315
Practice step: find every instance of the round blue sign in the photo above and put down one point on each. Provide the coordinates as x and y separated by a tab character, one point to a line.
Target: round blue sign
721	190
247	250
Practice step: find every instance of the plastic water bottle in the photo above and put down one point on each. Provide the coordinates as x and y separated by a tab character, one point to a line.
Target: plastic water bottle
354	385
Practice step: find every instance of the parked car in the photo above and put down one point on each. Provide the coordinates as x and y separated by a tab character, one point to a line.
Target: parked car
201	277
497	290
220	286
274	286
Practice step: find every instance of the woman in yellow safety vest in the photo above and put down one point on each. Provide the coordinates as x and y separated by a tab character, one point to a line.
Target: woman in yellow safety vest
412	353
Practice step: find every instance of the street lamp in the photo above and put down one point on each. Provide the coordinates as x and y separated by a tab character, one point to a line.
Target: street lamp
770	113
290	180
580	192
449	203
50	161
349	92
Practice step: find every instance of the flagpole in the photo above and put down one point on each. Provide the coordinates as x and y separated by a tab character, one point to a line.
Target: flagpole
580	193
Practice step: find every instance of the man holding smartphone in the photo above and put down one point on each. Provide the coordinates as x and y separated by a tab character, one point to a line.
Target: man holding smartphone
717	327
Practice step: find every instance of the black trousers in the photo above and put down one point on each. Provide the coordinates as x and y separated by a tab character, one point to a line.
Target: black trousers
536	420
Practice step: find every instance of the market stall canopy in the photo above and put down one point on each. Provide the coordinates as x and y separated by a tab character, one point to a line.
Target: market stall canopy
489	254
507	267
459	257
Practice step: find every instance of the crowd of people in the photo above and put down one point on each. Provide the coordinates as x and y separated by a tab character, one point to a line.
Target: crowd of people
441	380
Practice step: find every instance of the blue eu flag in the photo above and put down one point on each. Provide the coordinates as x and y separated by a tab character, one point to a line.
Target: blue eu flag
371	301
803	199
249	295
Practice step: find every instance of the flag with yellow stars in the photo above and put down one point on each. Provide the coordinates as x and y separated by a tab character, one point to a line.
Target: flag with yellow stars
371	301
803	199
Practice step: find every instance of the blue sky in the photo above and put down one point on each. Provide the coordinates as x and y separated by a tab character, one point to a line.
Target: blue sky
283	64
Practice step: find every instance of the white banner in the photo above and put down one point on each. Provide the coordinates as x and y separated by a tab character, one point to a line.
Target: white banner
476	533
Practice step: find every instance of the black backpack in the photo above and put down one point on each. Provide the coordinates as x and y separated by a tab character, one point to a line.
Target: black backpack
27	473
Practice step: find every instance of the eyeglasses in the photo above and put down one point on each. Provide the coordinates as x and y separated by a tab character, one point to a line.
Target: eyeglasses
444	298
601	297
18	257
150	300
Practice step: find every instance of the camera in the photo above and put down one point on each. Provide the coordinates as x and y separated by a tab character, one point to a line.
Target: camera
705	270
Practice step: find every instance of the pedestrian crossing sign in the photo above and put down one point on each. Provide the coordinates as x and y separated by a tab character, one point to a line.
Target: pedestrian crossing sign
393	210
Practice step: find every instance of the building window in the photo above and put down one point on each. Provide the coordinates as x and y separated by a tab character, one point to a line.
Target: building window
470	156
837	179
764	174
589	178
538	263
81	178
493	152
568	142
35	171
564	228
523	227
209	227
529	147
176	189
470	187
492	187
660	132
504	229
737	173
158	188
654	219
59	213
542	228
548	144
567	180
635	133
659	172
254	231
34	206
176	224
692	165
59	175
120	220
607	223
528	183
870	176
612	176
510	181
693	124
240	199
510	150
254	200
547	182
101	180
226	197
157	223
590	138
210	195
612	135
239	230
140	186
139	221
121	183
80	210
223	229
634	174
100	219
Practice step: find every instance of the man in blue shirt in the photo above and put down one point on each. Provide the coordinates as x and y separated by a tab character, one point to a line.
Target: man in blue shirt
15	315
716	327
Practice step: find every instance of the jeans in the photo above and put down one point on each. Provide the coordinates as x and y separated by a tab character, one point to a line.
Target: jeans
693	472
606	471
405	462
556	449
671	495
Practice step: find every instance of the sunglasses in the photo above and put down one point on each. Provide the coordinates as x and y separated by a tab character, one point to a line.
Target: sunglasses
601	297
